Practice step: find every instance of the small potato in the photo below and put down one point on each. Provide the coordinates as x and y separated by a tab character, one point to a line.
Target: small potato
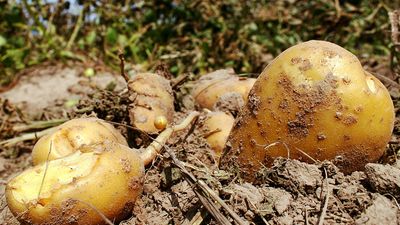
219	125
314	101
211	87
103	178
71	135
152	97
160	122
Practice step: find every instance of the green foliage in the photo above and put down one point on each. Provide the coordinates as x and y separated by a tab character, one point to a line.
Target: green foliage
194	36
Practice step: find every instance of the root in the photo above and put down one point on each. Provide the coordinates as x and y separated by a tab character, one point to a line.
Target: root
26	137
45	171
37	125
122	66
155	147
208	134
206	195
266	147
323	213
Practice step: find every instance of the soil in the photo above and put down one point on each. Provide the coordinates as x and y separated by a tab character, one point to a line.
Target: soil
290	192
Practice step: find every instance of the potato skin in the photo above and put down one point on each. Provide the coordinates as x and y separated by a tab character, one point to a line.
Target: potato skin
152	97
210	87
107	177
73	134
218	121
315	97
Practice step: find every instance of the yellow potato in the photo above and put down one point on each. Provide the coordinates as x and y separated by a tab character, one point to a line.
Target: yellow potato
219	125
102	178
71	135
214	85
314	99
160	122
152	97
94	181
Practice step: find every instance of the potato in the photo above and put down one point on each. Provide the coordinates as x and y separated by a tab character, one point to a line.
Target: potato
218	125
95	180
160	122
101	178
152	97
314	99
211	87
73	134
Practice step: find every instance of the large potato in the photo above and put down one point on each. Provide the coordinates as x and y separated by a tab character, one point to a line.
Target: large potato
73	134
314	99
211	87
103	178
152	98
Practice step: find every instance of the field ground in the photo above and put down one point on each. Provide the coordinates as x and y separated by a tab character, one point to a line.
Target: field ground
291	192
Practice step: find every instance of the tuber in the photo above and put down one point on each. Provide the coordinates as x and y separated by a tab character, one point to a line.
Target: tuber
71	135
313	102
221	83
218	125
105	177
94	181
151	97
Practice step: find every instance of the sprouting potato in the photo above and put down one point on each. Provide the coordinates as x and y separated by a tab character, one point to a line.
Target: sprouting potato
152	97
73	134
101	178
96	180
218	125
313	102
211	87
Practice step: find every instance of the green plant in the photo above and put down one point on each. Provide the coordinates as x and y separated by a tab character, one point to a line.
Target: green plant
195	36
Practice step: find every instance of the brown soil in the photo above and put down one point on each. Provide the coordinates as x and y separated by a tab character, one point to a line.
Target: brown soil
290	192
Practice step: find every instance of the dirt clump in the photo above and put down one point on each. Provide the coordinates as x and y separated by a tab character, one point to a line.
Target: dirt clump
382	211
384	179
294	176
230	102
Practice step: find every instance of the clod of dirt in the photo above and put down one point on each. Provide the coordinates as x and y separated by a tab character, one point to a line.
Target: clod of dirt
106	105
383	178
351	194
382	211
245	198
294	176
230	102
264	201
278	198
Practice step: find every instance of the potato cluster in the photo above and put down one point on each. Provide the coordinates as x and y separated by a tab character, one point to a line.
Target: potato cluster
223	92
83	171
313	102
99	179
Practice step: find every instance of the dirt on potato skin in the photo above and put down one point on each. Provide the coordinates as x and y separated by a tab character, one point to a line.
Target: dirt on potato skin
290	192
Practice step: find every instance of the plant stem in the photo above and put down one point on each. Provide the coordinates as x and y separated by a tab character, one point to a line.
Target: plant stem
38	125
33	15
77	27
